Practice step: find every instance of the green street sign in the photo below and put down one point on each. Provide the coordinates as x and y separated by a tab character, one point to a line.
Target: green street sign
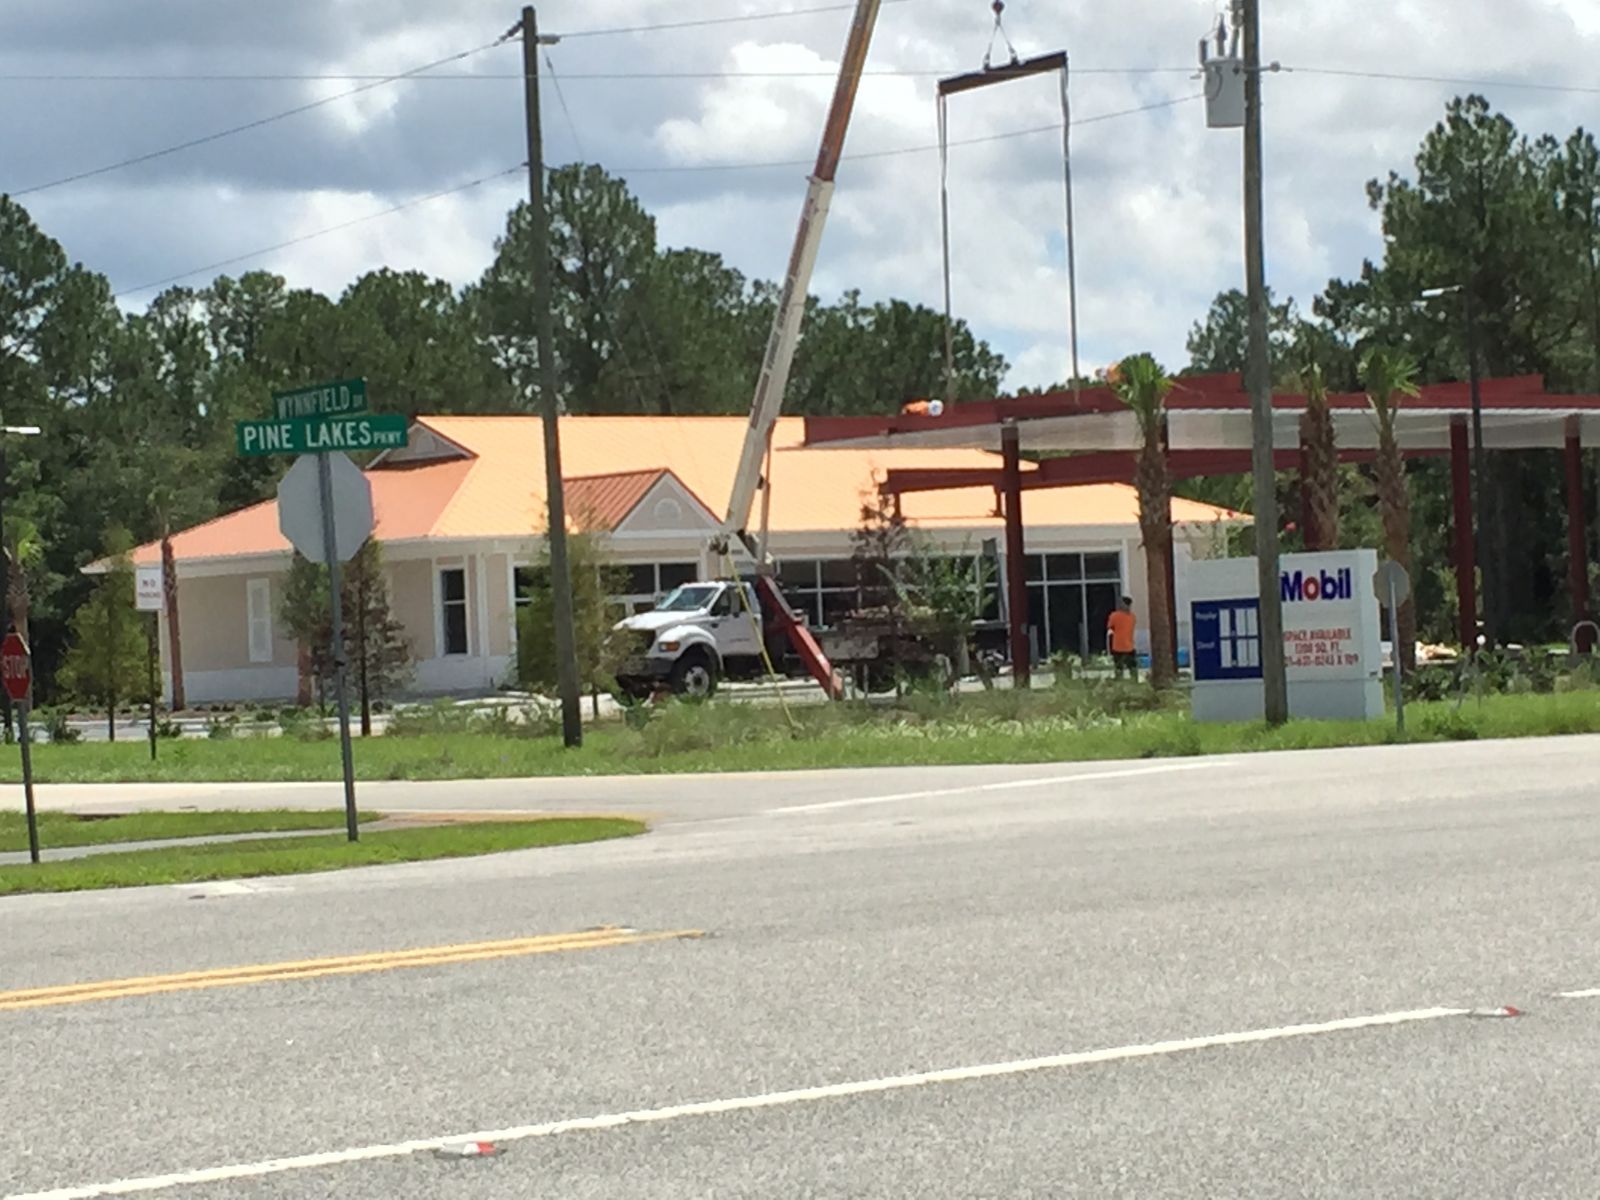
337	399
322	435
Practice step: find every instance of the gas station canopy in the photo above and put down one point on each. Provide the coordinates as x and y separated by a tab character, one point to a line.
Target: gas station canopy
1212	413
1090	437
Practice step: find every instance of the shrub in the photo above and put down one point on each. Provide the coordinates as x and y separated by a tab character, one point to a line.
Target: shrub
442	716
303	725
53	723
534	719
1450	725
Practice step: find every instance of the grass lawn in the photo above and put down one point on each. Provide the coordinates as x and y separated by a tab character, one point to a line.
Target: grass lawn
70	829
1050	725
290	856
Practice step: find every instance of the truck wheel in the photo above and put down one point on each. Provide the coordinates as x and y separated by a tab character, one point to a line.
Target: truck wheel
694	676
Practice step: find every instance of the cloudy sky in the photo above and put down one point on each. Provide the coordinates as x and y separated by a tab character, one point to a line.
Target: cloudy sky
707	124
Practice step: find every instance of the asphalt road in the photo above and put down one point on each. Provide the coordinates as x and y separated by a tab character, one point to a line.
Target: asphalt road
1044	938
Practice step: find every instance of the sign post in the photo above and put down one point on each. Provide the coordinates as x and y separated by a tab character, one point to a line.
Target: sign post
330	550
1392	586
147	596
16	671
326	511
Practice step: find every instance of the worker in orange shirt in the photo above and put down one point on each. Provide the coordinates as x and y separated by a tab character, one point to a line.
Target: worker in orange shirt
1119	639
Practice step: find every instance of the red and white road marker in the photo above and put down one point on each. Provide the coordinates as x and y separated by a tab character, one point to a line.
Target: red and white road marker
1504	1010
468	1150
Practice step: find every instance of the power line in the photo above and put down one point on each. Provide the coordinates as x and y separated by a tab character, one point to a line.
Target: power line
413	72
296	241
1453	81
415	201
492	76
928	149
248	125
704	22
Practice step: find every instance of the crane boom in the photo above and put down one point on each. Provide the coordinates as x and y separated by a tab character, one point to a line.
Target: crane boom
785	335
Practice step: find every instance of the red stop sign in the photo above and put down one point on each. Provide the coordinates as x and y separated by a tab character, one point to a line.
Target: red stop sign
16	668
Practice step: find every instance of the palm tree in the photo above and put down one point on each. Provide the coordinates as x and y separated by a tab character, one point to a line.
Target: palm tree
25	552
1390	377
1319	480
1142	386
162	501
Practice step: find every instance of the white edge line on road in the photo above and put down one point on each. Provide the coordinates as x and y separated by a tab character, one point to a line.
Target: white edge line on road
1585	994
1008	785
835	1091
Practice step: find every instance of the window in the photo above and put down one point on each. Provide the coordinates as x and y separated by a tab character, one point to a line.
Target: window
1103	567
453	610
525	581
675	575
1239	637
258	597
643	585
1227	639
688	599
1069	598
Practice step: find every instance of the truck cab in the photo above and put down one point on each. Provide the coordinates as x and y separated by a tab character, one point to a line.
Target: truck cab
700	634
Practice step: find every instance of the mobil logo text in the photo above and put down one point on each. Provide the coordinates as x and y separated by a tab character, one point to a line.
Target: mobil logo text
1299	586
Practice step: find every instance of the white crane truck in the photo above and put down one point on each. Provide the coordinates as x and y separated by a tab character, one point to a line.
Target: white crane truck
715	628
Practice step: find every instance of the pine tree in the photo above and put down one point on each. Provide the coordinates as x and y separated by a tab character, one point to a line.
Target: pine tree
600	648
106	660
375	643
379	657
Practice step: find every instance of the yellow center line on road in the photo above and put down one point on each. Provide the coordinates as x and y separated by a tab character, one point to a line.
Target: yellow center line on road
317	968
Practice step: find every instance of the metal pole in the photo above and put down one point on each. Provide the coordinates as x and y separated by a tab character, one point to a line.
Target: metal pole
150	639
1072	249
1274	680
560	572
5	577
330	550
944	235
1480	477
1466	545
27	780
1394	655
1577	543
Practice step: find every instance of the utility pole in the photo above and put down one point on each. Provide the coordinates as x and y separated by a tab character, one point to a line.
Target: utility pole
1491	623
544	317
1258	379
5	579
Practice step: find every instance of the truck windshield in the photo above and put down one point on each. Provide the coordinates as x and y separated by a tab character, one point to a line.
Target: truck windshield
689	598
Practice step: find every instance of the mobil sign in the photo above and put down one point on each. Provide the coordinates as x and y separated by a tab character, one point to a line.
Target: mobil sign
1331	640
1300	585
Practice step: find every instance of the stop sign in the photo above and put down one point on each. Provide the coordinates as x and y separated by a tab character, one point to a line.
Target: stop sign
16	671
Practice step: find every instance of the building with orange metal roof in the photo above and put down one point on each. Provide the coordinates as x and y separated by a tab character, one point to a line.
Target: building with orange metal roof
459	512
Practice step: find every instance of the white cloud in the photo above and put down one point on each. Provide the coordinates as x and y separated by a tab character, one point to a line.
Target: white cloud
1158	195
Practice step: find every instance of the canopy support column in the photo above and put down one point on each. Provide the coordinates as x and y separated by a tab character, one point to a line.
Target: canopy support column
1016	566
